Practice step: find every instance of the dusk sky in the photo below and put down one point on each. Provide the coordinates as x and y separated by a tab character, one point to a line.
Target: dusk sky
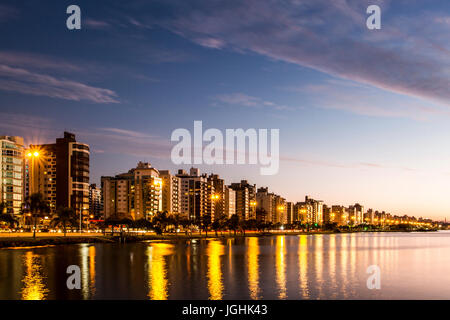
363	114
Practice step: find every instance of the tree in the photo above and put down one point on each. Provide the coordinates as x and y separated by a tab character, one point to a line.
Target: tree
2	207
65	216
206	222
37	206
160	221
9	219
233	223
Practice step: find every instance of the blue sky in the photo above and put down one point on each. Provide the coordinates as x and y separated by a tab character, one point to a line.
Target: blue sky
363	114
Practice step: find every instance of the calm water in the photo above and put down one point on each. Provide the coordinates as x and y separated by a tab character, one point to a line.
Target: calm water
413	266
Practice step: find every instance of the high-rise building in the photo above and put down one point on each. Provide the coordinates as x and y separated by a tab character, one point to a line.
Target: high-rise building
265	204
303	211
340	215
60	172
245	199
289	212
272	206
95	202
12	173
317	210
136	194
217	196
230	202
356	214
196	195
171	192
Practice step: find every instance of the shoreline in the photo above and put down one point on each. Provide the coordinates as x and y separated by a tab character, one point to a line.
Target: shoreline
43	241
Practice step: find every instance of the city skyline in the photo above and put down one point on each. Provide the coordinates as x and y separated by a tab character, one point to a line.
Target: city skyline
134	74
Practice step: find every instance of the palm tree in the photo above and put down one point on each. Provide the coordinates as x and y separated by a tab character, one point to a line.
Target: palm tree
37	206
65	216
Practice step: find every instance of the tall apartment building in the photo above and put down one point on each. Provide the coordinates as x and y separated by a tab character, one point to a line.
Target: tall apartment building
273	206
12	173
289	212
95	202
136	194
265	203
60	171
280	214
196	195
217	196
317	210
369	216
245	199
303	212
340	215
171	192
356	214
230	202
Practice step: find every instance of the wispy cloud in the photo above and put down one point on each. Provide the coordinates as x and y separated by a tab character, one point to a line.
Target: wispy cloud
286	32
128	133
36	62
38	84
243	100
96	24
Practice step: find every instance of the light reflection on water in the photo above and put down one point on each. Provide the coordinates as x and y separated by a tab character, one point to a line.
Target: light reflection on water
280	267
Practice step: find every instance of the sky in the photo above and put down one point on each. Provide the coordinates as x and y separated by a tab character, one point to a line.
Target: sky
363	114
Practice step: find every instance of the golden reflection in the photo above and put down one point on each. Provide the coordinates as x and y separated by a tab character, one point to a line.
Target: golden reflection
303	265
157	270
253	267
332	262
215	286
318	262
280	266
85	271
92	269
34	287
344	264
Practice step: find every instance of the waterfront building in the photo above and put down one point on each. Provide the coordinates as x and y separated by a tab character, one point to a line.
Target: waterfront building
265	203
356	214
12	173
289	212
245	199
196	195
136	194
171	192
340	215
317	210
60	172
217	204
230	202
95	202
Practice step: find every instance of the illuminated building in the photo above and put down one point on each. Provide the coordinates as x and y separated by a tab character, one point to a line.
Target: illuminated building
171	192
245	197
12	173
60	172
136	194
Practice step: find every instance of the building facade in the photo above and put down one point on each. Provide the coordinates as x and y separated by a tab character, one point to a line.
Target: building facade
245	199
135	195
60	172
171	192
12	173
